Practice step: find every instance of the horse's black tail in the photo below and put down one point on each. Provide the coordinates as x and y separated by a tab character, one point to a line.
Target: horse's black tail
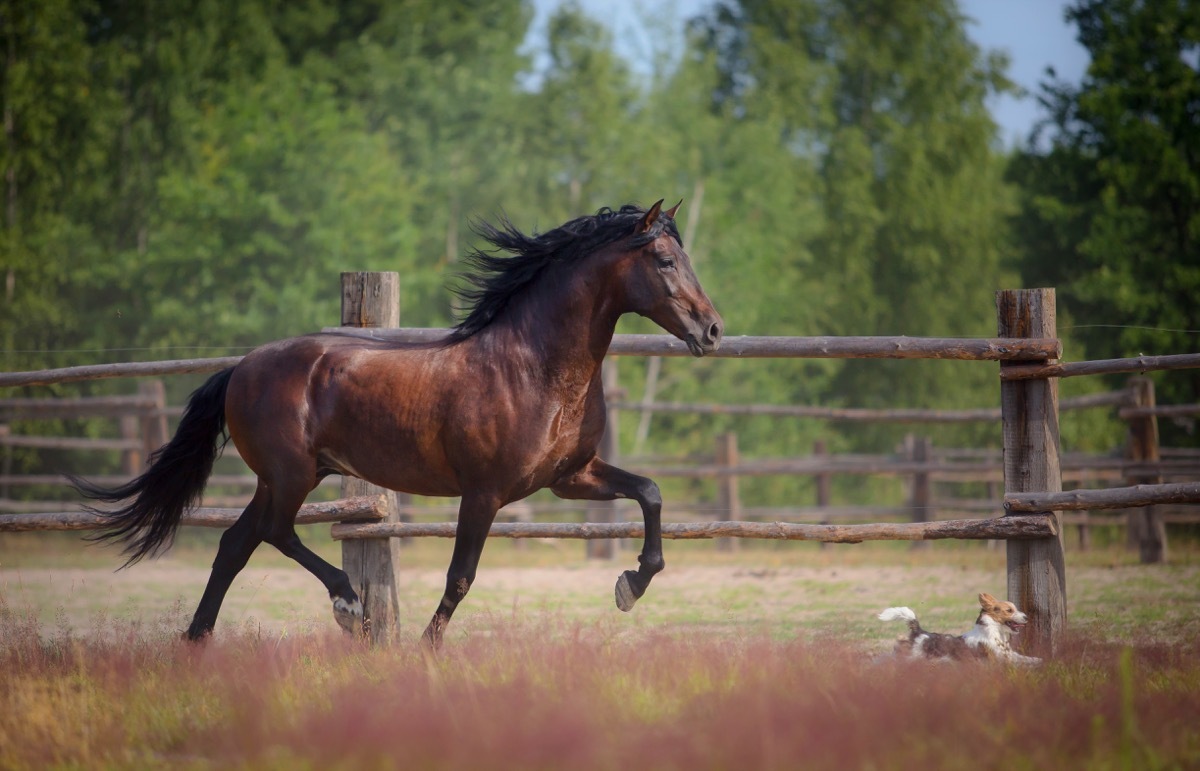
173	483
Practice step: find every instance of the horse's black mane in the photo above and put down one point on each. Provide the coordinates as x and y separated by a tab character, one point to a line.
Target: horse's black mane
493	280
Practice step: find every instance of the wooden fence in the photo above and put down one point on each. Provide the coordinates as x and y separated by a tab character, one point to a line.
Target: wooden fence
143	428
1026	348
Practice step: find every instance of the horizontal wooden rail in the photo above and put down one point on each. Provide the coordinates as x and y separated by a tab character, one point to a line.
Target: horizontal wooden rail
75	407
440	512
1111	498
104	371
1101	367
823	413
750	346
886	465
68	442
362	507
115	480
901	347
1009	528
983	414
985	469
1118	519
1160	411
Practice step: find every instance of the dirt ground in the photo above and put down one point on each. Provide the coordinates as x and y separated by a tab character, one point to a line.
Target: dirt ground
779	600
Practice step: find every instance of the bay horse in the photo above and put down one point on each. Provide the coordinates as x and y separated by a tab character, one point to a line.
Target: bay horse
510	402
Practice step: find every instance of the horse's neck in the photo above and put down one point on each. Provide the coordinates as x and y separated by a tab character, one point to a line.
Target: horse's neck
566	322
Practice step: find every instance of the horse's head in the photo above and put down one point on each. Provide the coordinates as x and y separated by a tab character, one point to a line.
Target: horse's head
661	285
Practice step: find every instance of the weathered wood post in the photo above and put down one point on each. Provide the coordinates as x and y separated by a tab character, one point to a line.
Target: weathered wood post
1029	413
824	485
730	497
155	432
1085	530
919	450
1146	527
5	463
606	511
132	461
994	494
373	300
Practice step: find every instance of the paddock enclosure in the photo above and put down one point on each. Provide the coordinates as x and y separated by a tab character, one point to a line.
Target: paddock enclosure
1029	513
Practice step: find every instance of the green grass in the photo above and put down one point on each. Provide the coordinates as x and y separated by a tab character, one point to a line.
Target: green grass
783	591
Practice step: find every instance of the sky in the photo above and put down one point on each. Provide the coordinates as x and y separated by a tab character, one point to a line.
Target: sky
1032	32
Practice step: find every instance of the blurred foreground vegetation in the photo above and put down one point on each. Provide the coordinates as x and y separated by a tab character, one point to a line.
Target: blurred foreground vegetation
770	659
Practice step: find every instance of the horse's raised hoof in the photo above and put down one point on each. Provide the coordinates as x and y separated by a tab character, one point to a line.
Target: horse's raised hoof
349	616
626	592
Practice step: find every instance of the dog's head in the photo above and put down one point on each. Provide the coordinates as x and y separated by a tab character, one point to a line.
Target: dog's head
1002	612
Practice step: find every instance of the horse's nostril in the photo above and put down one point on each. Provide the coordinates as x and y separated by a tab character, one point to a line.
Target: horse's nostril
714	332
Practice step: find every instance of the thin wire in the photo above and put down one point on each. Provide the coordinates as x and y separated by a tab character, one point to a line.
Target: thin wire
1131	326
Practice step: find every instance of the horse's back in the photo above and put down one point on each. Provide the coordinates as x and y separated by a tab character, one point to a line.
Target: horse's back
329	403
424	419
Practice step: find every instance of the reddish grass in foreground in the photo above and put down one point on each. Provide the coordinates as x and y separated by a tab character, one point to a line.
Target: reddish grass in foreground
518	696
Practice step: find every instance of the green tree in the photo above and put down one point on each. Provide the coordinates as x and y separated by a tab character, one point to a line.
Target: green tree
1111	186
440	80
886	100
288	189
55	116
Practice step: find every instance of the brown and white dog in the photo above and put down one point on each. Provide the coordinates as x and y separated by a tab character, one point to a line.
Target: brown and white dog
990	638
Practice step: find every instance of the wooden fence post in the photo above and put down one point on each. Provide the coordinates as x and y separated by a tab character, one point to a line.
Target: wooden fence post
1145	524
994	494
824	486
155	432
5	463
373	300
1029	413
606	511
132	461
919	449
727	484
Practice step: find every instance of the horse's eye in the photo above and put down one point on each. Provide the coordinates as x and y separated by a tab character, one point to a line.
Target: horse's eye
666	262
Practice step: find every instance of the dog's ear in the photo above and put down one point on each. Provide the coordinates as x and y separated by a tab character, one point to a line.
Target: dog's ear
987	601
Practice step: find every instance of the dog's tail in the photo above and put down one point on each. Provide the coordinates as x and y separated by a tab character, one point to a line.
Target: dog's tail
891	614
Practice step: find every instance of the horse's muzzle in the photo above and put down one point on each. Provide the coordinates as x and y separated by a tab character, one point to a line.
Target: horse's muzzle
707	343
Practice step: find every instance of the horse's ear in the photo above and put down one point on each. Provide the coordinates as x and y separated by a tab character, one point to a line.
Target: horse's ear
650	218
673	209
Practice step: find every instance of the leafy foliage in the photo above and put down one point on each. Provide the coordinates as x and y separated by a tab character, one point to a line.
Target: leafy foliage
1111	211
194	176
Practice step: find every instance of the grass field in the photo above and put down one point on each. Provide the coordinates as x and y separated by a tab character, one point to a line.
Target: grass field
768	658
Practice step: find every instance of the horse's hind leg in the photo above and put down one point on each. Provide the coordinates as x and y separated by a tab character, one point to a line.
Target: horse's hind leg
347	609
598	481
280	532
237	544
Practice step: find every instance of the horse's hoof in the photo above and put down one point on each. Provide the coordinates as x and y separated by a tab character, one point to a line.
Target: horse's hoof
626	598
196	636
349	616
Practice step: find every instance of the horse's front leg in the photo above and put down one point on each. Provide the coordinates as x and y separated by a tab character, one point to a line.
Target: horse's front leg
475	515
598	481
